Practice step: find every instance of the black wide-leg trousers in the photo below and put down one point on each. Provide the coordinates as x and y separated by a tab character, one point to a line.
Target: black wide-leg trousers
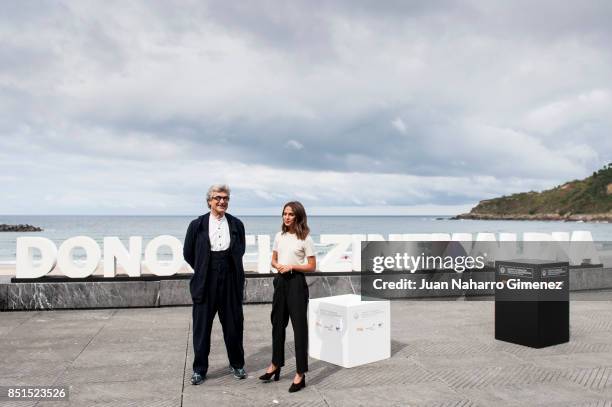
290	301
221	296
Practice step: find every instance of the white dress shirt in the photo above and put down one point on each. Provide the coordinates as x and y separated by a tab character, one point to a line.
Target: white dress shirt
218	232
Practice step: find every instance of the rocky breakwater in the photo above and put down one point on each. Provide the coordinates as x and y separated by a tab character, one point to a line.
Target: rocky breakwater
19	228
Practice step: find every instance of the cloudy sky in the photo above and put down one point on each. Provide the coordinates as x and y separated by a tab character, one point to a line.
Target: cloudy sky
349	106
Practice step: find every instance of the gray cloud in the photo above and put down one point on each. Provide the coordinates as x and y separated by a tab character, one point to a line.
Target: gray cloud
117	107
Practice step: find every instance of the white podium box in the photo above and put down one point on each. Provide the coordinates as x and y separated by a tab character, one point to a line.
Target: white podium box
348	332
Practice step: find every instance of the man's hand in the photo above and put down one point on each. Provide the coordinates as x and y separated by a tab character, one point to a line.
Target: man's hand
283	268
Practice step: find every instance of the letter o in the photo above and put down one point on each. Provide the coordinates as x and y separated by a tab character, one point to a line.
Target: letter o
157	268
67	265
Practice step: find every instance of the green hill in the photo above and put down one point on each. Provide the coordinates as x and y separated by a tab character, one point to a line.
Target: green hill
587	199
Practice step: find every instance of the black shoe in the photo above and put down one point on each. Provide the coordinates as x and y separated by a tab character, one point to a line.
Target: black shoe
239	373
297	387
197	378
267	376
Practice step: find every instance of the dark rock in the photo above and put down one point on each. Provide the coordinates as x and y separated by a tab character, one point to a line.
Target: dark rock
19	228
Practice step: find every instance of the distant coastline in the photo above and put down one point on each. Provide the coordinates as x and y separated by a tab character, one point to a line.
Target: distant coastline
587	200
598	217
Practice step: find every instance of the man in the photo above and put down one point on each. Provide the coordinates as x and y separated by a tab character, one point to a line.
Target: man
214	246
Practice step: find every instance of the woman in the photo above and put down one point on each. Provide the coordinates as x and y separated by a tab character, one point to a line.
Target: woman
293	255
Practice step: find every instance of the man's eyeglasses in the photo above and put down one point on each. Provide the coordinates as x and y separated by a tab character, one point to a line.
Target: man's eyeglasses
219	198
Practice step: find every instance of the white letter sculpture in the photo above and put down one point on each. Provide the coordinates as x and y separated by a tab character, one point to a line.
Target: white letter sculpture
166	268
25	265
66	263
115	252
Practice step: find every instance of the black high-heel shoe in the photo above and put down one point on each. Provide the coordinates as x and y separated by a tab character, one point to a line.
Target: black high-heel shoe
267	376
297	387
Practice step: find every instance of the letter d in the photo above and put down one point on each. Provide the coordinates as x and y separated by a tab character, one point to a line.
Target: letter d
25	266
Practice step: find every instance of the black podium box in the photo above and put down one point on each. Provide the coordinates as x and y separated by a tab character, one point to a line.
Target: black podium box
534	317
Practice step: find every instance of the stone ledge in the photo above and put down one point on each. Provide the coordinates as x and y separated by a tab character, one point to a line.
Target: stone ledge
121	294
3	296
258	289
590	278
150	293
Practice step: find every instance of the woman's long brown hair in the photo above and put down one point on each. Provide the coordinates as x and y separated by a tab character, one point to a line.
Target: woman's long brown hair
300	225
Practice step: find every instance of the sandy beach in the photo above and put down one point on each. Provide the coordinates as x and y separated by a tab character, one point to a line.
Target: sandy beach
10	271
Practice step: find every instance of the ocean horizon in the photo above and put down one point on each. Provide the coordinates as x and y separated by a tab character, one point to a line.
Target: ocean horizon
61	227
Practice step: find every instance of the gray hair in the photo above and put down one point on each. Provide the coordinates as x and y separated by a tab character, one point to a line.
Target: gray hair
216	188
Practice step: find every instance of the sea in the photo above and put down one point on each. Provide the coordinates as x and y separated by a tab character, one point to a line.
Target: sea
60	228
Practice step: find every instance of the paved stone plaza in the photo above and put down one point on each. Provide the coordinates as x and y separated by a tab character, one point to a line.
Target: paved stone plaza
443	354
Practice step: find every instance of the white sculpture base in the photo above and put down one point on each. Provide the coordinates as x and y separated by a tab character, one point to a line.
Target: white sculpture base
348	332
